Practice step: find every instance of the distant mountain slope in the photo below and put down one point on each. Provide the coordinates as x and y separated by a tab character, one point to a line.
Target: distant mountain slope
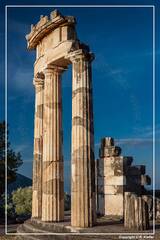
21	181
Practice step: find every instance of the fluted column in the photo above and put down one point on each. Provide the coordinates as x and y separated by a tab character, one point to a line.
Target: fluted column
53	189
38	148
83	206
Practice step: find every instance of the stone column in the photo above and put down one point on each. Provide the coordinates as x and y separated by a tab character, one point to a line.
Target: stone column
136	212
53	189
38	148
83	164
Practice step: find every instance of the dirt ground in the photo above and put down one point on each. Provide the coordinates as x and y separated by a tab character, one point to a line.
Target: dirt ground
13	228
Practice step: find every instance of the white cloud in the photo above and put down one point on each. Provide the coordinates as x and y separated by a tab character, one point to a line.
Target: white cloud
134	141
144	138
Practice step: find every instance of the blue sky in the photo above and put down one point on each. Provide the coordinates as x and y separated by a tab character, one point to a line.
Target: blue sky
121	39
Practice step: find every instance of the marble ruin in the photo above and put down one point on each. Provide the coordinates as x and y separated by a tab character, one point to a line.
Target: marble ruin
115	176
56	44
117	184
136	213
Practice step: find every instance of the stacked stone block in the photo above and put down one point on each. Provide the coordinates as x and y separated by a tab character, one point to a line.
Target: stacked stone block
115	175
111	179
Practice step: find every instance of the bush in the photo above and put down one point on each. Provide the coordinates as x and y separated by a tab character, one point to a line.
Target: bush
10	207
22	200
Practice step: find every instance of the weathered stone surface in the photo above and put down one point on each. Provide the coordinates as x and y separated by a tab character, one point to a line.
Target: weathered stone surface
107	142
53	189
111	151
83	164
106	224
111	179
57	46
145	180
47	26
157	208
115	176
136	212
136	170
38	148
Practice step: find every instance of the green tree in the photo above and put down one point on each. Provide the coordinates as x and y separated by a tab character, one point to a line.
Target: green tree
14	160
22	200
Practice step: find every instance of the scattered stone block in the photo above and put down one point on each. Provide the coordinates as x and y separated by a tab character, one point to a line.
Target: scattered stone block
136	214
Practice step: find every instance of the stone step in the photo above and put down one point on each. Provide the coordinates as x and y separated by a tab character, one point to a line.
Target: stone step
50	227
31	228
22	229
36	227
65	237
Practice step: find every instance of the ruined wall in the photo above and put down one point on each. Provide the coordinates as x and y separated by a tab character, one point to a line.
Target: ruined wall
116	175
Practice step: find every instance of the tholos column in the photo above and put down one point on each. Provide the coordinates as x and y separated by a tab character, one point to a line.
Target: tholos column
53	189
83	165
38	151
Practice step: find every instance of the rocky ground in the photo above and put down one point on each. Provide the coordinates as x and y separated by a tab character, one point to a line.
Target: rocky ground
132	237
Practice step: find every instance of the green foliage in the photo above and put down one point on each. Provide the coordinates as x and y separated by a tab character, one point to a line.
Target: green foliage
2	206
13	159
10	207
22	199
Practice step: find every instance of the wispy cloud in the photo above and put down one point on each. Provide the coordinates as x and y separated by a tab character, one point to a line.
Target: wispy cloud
21	147
134	141
144	138
114	72
147	131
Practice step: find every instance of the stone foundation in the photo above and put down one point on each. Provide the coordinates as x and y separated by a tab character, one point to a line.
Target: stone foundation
106	224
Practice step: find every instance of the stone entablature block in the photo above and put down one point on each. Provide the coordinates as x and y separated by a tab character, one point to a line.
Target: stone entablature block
45	26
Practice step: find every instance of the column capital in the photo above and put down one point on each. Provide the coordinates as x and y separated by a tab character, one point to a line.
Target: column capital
51	68
80	54
38	80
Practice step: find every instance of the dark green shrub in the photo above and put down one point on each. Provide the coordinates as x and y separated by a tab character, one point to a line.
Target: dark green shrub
11	214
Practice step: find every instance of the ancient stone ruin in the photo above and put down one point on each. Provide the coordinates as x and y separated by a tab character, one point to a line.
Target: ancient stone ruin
136	214
115	176
119	184
57	45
